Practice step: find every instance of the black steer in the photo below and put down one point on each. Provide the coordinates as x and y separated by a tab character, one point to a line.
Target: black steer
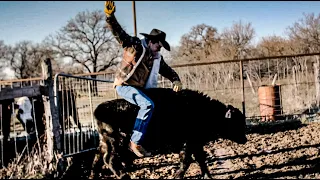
187	119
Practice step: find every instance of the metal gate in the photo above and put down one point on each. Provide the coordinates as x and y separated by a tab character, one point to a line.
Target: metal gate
76	98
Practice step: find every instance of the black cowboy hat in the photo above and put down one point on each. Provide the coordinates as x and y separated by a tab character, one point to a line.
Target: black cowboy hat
159	35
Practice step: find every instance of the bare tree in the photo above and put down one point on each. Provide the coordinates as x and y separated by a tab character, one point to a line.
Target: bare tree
40	52
197	45
86	41
72	69
236	40
25	59
306	32
3	50
21	61
275	46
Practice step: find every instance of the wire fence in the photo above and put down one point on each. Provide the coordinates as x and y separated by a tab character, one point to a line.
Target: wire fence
270	88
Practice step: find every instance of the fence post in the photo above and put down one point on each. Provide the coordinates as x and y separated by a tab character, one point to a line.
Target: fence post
316	66
242	85
51	113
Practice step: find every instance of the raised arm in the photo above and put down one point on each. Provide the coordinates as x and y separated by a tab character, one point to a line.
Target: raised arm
121	36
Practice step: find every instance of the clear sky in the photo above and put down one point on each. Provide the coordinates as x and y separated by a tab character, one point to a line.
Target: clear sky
34	20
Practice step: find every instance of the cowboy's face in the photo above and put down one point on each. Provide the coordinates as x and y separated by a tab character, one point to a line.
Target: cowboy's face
154	46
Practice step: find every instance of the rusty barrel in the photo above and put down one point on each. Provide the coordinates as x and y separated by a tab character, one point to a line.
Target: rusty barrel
270	102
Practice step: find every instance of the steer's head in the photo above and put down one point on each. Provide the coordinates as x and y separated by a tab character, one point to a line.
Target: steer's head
24	112
235	123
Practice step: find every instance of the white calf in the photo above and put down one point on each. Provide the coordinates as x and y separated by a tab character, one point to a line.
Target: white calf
24	114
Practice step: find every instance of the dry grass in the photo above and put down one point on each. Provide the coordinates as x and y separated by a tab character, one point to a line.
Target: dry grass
35	165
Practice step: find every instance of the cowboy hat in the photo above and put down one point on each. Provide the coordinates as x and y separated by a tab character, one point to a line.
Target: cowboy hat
159	35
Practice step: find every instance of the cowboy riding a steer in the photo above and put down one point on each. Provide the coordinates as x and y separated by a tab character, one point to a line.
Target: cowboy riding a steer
149	119
183	122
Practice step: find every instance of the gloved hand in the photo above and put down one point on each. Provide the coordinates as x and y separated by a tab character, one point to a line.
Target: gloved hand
177	86
109	8
117	82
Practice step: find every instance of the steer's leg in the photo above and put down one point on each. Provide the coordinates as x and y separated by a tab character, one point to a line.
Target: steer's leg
96	166
98	161
127	157
185	161
114	161
200	157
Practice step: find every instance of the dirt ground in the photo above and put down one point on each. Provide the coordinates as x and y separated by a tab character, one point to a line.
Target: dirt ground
289	150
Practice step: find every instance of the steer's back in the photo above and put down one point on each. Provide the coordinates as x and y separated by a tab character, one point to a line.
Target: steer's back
177	116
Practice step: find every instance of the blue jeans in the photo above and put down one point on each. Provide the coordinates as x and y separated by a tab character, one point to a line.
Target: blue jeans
135	96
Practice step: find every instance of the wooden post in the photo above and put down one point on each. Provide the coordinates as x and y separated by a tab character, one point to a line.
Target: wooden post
250	83
51	111
294	77
242	85
317	80
134	18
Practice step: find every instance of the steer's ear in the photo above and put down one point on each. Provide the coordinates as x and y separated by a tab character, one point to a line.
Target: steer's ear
16	106
230	107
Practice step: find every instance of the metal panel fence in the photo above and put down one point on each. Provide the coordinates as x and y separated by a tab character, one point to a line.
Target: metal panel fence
77	97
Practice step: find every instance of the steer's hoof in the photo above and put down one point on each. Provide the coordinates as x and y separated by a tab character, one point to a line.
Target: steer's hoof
178	175
207	176
126	176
